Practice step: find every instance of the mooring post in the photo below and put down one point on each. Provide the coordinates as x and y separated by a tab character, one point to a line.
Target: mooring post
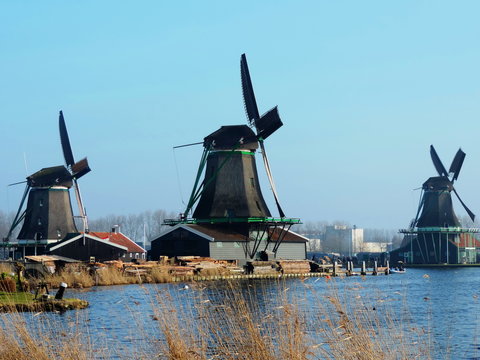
61	291
387	270
334	268
375	268
364	269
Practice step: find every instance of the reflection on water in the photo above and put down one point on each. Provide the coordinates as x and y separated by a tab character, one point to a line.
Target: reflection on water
444	302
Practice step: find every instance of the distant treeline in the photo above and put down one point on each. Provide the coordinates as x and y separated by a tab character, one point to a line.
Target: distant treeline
151	223
132	225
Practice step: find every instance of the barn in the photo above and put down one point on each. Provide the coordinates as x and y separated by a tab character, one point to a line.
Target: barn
223	243
83	247
134	251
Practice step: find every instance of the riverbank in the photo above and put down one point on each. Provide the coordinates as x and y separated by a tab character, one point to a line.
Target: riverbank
25	301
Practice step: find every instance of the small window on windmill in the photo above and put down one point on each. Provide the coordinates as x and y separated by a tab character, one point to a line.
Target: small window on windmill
40	203
39	222
252	182
59	233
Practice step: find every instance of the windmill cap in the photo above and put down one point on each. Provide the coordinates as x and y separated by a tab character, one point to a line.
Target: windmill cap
232	136
437	183
51	176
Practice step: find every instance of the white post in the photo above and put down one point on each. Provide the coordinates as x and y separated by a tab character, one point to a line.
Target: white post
144	236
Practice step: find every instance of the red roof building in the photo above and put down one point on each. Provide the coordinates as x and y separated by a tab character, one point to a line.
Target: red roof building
134	250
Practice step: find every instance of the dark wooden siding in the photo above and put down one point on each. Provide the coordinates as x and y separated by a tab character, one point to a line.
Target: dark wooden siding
80	251
179	242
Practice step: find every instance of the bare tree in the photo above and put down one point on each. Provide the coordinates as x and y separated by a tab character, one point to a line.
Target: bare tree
6	220
134	226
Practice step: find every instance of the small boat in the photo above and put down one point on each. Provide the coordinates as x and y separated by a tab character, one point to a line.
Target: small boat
397	271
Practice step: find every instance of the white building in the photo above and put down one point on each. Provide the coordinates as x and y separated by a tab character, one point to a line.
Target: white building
343	239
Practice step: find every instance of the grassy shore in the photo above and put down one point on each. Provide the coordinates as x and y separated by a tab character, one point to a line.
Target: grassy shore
25	301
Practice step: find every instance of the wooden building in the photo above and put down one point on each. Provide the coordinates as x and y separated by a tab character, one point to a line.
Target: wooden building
84	247
134	251
223	243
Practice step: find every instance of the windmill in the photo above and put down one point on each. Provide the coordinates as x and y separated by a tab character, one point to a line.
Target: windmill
436	227
48	215
230	192
230	152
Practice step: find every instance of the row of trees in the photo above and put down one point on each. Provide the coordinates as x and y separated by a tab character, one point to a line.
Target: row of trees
147	224
6	220
132	225
150	224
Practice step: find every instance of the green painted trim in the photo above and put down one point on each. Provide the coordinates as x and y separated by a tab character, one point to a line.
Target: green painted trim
234	220
48	188
440	229
233	152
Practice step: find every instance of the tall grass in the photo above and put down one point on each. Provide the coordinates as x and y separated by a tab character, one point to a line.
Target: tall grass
84	278
17	342
285	326
240	321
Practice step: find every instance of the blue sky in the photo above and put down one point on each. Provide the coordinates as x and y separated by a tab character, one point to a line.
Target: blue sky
363	89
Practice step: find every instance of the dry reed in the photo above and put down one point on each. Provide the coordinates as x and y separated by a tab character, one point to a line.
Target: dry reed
6	268
77	278
17	342
243	321
238	327
105	276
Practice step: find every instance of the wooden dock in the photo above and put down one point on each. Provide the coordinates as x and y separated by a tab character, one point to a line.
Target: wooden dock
342	273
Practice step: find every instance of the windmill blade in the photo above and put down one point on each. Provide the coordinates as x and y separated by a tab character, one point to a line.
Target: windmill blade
268	123
81	208
80	168
457	164
470	213
270	179
265	126
67	149
248	94
437	162
77	169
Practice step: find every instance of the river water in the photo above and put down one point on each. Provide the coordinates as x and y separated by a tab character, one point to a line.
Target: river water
443	303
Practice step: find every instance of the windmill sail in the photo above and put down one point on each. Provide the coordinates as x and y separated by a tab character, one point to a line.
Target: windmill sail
437	162
457	164
248	94
265	125
67	149
469	212
77	170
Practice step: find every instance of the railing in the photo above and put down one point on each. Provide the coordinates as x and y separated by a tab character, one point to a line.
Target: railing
440	229
227	220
